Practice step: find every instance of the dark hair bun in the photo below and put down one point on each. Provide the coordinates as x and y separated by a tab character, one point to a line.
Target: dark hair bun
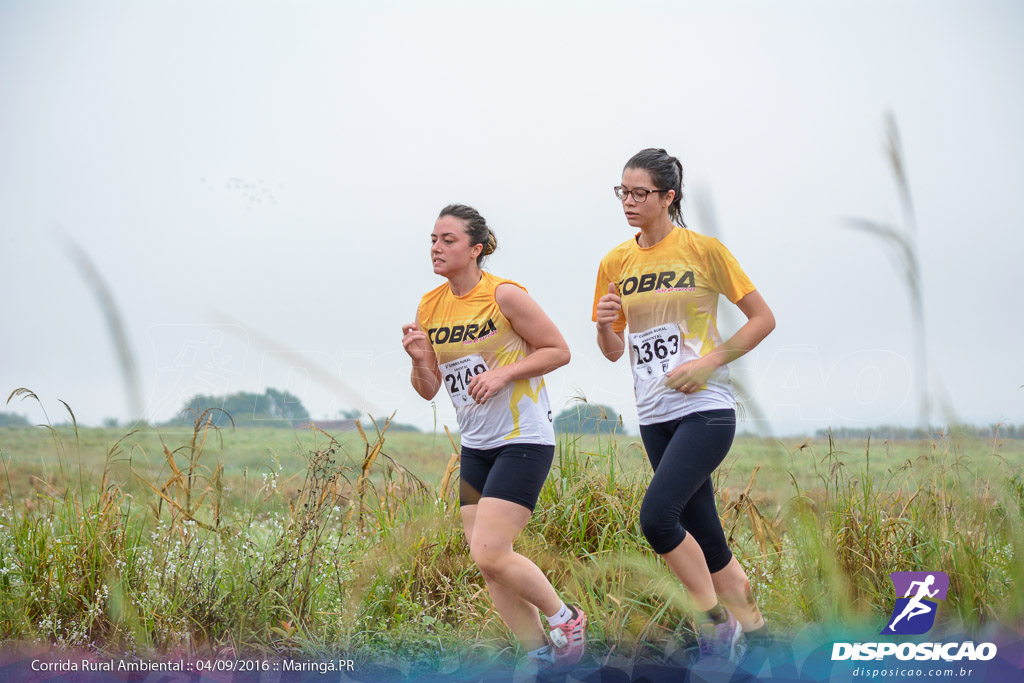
476	227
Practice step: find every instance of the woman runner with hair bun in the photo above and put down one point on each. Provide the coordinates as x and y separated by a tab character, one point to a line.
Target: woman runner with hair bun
663	284
489	344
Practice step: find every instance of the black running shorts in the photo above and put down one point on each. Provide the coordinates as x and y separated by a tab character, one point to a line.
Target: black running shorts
515	473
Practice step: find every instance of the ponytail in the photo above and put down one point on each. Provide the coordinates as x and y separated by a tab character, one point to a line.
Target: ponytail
666	172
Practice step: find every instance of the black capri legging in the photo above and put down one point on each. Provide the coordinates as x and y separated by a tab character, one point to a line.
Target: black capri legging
680	498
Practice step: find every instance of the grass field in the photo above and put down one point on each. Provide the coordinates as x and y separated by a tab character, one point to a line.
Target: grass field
264	541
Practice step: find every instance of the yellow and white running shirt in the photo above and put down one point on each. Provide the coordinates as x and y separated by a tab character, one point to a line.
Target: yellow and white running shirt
670	303
469	336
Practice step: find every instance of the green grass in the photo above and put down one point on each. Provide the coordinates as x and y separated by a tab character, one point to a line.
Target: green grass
265	541
31	452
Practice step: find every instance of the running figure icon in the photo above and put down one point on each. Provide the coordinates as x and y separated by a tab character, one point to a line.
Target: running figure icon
919	591
915	606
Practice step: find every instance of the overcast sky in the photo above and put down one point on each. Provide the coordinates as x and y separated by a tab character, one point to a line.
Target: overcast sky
257	182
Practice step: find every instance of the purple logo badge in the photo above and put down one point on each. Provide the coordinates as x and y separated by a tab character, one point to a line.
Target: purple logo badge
915	608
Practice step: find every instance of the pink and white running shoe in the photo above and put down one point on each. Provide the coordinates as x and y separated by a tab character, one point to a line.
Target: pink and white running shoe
568	640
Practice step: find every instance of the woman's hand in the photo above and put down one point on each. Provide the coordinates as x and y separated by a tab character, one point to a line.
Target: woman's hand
416	343
609	310
691	376
609	306
487	384
425	377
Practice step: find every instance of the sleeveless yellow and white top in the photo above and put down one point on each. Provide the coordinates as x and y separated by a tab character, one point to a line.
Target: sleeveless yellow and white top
470	335
670	304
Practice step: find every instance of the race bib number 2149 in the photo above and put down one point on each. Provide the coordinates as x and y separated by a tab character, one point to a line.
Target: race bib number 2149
457	374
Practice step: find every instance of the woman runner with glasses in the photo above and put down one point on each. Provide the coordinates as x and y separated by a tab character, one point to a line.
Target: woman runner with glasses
663	284
489	344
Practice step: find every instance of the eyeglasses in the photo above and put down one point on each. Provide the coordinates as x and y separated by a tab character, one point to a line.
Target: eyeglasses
639	193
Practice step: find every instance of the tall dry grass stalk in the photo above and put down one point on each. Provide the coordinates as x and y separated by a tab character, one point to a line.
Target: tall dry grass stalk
902	245
112	317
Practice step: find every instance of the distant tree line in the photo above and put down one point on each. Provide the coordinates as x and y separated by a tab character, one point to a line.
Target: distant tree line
13	420
588	418
276	408
898	433
272	408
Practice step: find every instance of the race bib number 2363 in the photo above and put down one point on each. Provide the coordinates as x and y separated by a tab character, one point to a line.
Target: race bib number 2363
656	351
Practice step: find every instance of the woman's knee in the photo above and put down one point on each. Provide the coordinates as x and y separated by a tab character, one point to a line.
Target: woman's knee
490	560
662	531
